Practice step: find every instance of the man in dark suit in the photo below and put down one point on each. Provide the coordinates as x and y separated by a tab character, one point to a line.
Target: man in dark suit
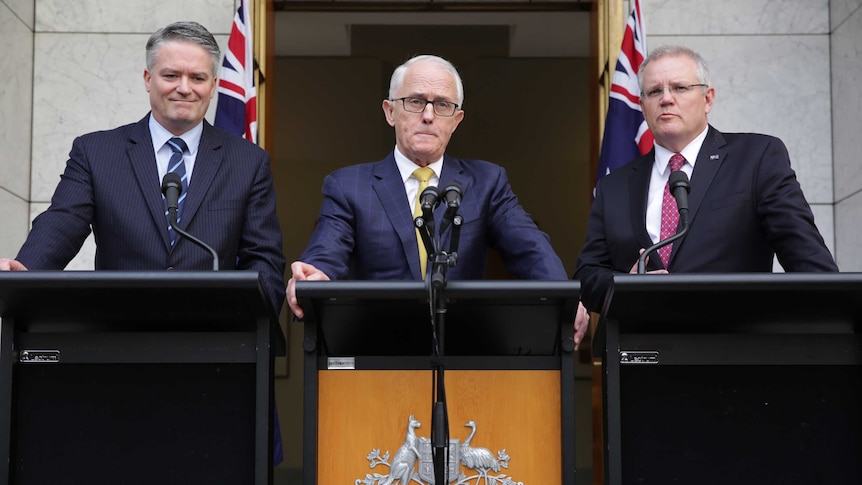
365	229
112	182
746	205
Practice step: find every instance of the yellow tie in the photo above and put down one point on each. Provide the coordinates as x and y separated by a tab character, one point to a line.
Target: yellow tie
423	174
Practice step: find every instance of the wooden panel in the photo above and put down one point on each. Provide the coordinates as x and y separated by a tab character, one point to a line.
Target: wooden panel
360	411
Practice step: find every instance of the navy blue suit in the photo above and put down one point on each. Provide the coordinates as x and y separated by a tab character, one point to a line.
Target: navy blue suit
111	185
745	206
365	229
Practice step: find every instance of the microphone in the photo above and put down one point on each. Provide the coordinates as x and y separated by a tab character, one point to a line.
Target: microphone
172	188
679	187
452	194
429	199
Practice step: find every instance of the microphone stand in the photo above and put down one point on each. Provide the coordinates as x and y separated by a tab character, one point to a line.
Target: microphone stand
441	261
683	223
172	213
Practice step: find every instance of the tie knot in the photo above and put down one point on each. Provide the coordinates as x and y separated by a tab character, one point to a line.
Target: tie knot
178	145
423	174
676	162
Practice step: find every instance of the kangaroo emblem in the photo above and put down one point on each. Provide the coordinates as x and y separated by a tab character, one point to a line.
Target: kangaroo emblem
405	458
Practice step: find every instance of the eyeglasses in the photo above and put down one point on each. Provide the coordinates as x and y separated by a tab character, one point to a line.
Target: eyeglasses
417	105
680	90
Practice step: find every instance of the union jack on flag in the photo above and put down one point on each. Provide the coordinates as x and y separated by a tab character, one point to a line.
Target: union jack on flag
626	133
236	111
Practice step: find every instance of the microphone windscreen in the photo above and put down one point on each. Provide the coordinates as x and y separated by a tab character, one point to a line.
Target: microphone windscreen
678	179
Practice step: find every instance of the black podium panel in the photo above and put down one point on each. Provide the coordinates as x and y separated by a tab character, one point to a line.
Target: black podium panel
391	318
716	379
787	424
135	378
134	423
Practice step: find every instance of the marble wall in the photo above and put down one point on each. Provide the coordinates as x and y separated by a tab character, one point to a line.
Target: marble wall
16	94
846	59
770	64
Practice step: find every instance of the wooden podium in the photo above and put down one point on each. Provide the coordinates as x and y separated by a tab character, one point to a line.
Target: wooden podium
137	378
509	371
732	378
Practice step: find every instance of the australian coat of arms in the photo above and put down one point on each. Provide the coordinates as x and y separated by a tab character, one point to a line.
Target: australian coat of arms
413	462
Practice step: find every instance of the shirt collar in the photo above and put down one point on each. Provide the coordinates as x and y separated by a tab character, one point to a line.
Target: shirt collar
407	166
160	135
662	154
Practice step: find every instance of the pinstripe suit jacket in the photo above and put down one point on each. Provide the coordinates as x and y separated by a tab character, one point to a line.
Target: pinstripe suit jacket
365	228
745	207
111	185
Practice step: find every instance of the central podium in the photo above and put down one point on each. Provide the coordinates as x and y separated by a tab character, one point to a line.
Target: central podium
509	376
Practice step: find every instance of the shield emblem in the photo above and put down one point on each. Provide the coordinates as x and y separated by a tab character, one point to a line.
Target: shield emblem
426	461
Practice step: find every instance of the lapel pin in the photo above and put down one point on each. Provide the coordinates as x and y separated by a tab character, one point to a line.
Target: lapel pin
713	157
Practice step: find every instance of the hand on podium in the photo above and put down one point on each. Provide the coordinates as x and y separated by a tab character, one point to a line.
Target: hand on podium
634	269
7	264
301	272
582	323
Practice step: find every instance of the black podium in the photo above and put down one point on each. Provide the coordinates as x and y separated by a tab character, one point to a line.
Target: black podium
490	326
732	378
135	378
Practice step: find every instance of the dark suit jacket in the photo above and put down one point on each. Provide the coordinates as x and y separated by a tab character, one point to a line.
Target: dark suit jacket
111	184
745	205
365	229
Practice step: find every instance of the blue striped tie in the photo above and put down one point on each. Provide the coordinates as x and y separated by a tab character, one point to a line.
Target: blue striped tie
178	166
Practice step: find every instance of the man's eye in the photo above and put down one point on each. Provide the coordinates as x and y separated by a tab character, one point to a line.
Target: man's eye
680	89
655	92
415	102
443	104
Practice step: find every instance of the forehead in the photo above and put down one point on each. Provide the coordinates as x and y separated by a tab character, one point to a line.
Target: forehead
670	68
426	77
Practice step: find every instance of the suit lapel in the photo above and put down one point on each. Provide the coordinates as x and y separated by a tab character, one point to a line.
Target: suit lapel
207	164
390	191
143	162
709	160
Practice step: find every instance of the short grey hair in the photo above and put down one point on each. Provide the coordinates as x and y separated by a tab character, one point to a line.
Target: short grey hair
701	70
184	32
398	75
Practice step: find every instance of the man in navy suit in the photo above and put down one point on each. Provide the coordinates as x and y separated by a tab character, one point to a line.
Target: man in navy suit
745	205
112	182
365	228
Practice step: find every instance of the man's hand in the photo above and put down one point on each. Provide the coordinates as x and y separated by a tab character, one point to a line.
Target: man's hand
301	272
7	264
634	269
582	323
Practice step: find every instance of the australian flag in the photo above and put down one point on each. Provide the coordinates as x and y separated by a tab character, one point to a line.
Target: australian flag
236	111
626	133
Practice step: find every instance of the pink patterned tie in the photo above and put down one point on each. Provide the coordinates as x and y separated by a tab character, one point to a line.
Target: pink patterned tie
669	211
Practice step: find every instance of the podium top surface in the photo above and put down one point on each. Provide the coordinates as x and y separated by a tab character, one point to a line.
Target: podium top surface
733	303
739	293
102	296
488	317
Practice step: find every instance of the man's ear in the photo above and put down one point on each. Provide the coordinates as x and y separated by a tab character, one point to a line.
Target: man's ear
389	112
